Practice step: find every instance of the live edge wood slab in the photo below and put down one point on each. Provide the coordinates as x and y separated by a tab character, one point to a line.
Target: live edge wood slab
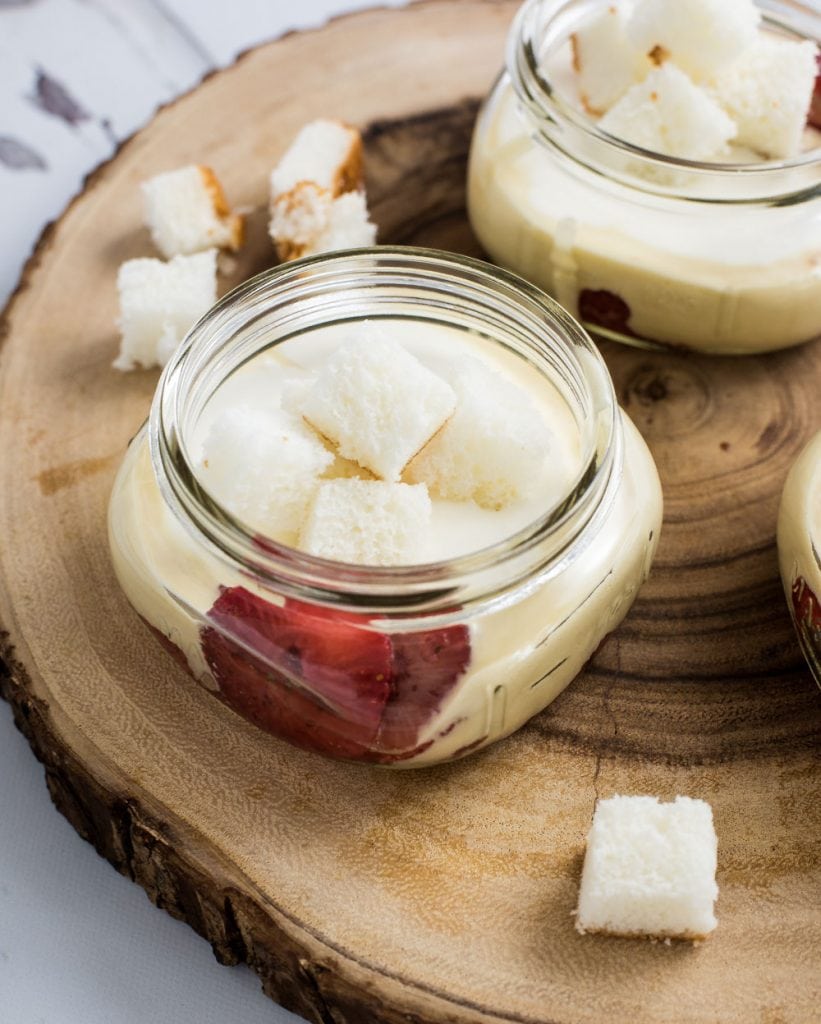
364	895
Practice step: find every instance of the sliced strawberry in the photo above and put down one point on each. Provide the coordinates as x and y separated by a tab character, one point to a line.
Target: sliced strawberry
806	606
605	309
314	676
323	680
427	666
814	116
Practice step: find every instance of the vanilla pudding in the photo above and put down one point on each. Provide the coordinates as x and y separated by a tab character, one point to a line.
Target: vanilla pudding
799	550
412	664
722	256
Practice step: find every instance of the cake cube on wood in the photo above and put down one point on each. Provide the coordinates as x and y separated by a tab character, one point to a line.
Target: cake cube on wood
649	869
159	303
667	113
700	36
186	211
308	220
328	153
263	466
377	403
494	448
298	218
606	61
368	522
348	225
768	92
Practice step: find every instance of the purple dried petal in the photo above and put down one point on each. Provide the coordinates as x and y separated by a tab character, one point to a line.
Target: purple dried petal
17	156
53	97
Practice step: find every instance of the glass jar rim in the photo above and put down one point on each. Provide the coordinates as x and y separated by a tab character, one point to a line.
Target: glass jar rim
550	109
540	546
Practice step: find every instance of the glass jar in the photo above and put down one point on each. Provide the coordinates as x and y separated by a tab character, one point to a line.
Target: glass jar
642	248
799	550
401	666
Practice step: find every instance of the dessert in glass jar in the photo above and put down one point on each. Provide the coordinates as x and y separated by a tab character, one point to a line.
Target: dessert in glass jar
799	550
387	579
664	193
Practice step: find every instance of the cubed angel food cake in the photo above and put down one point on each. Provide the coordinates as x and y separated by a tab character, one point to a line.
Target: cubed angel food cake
387	446
317	204
627	210
649	869
317	193
456	454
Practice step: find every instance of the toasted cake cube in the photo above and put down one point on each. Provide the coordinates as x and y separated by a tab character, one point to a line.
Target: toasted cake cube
263	466
159	303
606	61
768	92
368	522
494	448
700	36
328	153
348	226
668	114
309	220
378	403
186	211
298	218
649	869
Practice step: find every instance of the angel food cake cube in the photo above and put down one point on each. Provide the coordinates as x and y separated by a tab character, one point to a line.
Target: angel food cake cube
159	303
347	225
328	153
667	113
767	92
186	211
264	466
493	450
368	522
649	869
309	220
606	61
700	36
377	403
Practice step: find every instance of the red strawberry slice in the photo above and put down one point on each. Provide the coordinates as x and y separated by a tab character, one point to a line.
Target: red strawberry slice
426	667
605	309
369	694
806	606
313	676
814	116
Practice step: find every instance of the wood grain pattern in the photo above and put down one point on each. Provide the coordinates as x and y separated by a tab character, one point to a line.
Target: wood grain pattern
442	895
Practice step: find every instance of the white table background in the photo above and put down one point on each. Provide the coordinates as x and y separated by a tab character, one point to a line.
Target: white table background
79	944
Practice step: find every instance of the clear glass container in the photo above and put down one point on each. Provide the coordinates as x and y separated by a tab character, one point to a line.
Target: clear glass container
399	666
642	248
799	550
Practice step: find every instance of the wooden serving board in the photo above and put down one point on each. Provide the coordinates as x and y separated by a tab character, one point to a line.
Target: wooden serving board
360	894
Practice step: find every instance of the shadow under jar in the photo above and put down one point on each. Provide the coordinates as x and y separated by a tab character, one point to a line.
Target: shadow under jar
402	666
645	249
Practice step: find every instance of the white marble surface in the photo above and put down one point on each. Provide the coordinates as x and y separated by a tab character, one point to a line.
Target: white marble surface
78	943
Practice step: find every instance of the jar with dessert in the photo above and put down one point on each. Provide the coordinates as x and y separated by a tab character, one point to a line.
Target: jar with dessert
799	550
386	505
655	165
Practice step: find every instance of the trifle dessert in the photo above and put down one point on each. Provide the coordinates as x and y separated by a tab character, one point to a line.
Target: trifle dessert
655	165
386	505
799	550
